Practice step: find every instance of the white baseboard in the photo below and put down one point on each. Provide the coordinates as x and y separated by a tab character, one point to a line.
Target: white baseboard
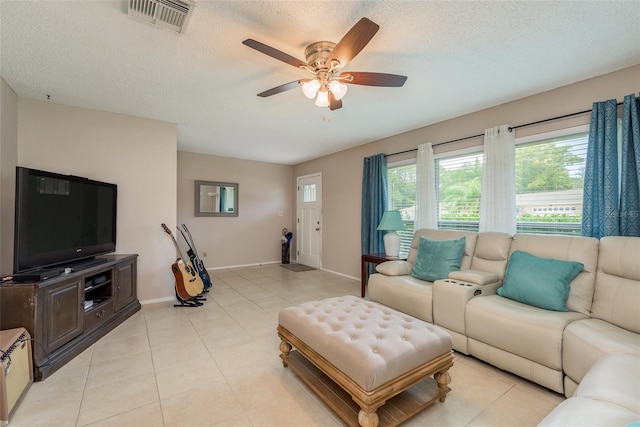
257	264
155	301
340	274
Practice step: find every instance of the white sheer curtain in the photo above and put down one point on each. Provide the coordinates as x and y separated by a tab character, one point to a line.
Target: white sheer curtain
498	195
426	214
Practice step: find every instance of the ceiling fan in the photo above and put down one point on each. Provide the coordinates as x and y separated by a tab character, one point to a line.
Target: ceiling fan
325	60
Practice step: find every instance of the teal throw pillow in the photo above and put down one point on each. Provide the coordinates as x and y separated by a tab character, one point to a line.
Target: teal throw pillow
540	282
437	258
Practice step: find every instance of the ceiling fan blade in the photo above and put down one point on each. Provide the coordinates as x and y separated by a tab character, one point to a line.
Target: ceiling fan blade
274	53
334	103
375	79
353	42
282	88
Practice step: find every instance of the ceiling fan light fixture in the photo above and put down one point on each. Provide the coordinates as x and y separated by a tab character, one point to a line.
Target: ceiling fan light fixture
310	88
325	60
322	99
338	89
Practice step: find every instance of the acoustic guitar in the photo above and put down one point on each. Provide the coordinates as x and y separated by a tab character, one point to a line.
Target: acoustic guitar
190	279
177	268
196	260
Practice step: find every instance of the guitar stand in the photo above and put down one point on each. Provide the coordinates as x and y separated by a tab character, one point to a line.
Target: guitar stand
191	302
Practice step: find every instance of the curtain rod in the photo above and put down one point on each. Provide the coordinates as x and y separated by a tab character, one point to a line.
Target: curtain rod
511	128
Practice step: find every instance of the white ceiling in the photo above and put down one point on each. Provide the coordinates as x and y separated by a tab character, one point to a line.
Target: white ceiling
459	57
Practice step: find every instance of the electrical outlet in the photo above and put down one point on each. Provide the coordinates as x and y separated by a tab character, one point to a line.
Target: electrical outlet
281	213
204	254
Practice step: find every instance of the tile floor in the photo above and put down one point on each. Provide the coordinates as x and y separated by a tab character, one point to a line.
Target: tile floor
218	365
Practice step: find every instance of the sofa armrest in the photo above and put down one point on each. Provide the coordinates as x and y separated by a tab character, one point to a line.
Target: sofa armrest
394	268
450	298
476	277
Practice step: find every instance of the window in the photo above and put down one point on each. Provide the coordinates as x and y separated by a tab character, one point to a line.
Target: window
459	178
309	193
549	181
401	179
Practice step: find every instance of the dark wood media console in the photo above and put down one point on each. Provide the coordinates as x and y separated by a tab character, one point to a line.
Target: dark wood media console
65	315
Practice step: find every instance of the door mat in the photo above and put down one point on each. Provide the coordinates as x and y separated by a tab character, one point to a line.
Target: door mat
297	267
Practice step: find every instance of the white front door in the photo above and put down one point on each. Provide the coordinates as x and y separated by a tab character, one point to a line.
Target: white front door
309	230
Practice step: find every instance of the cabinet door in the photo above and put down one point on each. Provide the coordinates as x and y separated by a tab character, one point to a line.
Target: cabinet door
125	284
65	312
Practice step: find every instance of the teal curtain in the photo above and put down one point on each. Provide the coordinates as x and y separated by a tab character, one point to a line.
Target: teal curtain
600	215
374	203
630	173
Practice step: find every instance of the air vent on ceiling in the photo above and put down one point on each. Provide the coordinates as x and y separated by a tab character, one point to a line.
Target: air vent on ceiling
170	14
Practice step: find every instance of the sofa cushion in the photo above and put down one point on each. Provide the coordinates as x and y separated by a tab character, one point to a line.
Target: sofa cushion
617	289
541	282
518	328
492	252
568	248
432	234
437	258
585	341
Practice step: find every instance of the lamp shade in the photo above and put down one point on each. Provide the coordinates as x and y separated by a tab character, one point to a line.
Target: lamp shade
391	220
322	99
310	88
338	89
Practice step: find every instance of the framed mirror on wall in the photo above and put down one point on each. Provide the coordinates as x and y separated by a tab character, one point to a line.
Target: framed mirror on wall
216	198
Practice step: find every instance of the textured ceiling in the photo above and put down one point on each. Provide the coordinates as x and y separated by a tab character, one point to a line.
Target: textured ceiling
459	57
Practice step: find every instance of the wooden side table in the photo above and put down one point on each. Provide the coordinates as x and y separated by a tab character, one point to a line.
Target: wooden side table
376	259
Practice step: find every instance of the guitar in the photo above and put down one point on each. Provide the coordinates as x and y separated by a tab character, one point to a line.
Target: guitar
190	279
193	261
196	260
177	270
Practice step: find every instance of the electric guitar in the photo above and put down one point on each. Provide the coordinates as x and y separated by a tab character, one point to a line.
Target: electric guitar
195	259
190	279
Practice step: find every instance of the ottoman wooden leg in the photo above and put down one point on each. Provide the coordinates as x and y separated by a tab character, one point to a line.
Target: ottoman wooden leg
367	419
443	379
285	349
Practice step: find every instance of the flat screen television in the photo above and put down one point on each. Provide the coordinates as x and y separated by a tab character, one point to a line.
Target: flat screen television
61	219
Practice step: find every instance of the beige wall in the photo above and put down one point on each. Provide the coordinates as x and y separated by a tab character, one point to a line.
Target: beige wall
8	162
156	183
138	155
342	172
253	237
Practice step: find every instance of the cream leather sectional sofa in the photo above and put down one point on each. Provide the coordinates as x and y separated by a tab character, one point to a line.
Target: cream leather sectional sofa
555	349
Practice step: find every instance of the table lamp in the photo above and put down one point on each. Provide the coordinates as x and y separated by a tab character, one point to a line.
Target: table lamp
391	222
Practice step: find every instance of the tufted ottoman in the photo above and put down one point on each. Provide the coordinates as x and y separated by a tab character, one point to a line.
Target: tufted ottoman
359	354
